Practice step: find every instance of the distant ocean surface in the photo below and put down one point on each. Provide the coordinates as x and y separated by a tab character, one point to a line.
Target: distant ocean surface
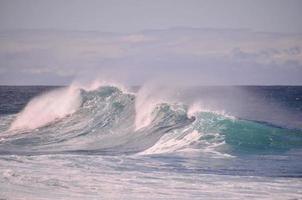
108	142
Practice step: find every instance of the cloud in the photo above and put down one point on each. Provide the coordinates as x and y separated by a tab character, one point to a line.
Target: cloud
194	56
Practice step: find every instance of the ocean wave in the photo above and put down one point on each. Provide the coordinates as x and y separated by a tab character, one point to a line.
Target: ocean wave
109	120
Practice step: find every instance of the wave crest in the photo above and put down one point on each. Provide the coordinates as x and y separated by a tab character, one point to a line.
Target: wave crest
104	120
47	108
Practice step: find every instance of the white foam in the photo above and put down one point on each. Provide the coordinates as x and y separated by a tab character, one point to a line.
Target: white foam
169	143
145	102
56	104
48	107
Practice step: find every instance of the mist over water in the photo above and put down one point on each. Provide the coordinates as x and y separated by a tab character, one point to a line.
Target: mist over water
101	139
47	108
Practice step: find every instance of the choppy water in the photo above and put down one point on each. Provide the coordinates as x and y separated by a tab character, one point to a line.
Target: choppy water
108	143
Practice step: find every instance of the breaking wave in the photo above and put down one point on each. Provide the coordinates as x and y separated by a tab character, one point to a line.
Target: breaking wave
108	120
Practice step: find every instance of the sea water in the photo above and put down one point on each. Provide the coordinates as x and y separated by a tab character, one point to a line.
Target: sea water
105	142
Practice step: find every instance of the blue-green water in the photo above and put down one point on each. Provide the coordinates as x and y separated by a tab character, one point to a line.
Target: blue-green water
111	143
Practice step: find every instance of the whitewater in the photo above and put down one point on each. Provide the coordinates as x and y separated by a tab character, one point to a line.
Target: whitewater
103	141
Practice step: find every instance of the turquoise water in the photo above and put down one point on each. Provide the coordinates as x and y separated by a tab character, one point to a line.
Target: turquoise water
109	143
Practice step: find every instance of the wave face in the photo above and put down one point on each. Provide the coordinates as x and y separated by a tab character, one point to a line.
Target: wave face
104	121
76	143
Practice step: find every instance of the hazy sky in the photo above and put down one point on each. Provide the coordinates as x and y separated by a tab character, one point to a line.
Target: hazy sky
135	15
188	41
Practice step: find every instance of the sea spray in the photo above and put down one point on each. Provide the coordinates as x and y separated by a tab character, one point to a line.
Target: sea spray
187	151
148	97
48	107
106	120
